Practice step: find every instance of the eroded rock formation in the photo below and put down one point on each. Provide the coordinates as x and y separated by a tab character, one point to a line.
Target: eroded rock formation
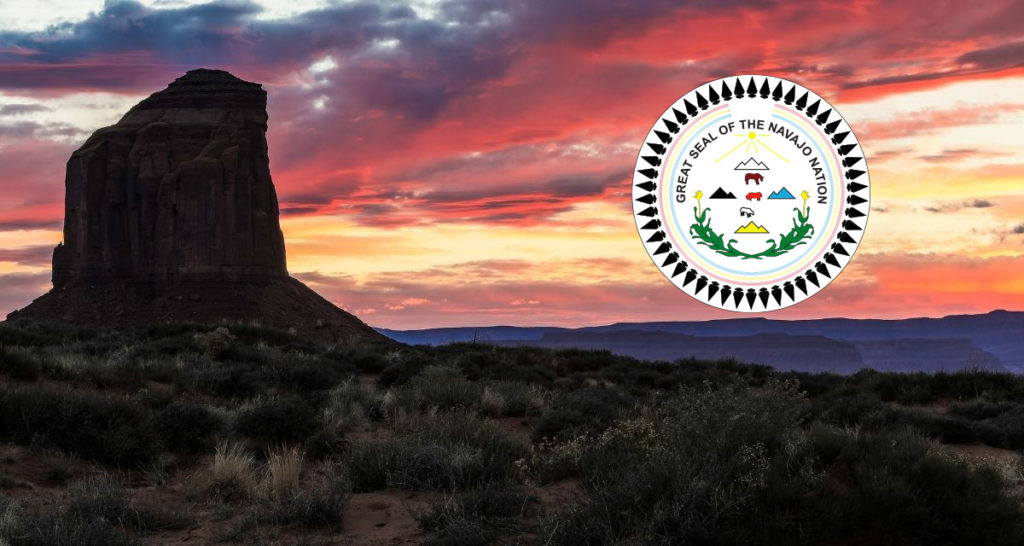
171	215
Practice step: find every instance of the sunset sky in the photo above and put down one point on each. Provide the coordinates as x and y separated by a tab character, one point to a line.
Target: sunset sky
469	162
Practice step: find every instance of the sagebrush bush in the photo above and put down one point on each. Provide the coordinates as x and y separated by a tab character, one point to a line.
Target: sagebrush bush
187	427
444	451
108	429
347	406
289	419
97	514
320	506
587	410
439	387
517	399
685	469
19	363
475	516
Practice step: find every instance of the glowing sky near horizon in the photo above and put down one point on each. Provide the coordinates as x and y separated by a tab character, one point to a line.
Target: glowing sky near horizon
446	163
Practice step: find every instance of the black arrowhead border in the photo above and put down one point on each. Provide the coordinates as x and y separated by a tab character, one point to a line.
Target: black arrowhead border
834	126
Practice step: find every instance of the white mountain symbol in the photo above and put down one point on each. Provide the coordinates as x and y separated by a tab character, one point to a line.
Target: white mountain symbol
751	164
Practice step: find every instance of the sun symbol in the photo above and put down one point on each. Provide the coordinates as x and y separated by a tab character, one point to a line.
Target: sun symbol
751	139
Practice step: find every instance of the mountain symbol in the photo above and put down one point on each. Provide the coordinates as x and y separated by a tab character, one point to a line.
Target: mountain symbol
751	164
781	194
752	228
722	194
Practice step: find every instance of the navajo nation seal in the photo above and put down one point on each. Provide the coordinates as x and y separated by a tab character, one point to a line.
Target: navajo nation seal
751	193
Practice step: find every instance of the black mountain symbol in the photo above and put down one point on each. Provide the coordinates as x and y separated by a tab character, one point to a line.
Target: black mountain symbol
722	194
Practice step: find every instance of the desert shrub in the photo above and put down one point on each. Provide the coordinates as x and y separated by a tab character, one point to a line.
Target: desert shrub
1005	417
304	373
187	427
111	430
259	371
173	346
215	342
732	466
439	387
56	528
846	409
892	487
19	363
42	334
979	409
101	498
255	334
283	420
320	506
400	372
346	406
581	411
226	380
97	515
514	399
446	451
474	516
370	362
699	458
923	388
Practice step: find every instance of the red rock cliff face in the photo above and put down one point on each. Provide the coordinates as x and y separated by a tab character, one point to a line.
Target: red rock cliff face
171	216
178	189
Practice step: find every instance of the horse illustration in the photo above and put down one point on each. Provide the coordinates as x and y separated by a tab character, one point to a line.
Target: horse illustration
746	212
754	195
756	177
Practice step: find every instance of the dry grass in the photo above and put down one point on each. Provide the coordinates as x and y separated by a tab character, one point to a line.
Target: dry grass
492	403
231	474
284	467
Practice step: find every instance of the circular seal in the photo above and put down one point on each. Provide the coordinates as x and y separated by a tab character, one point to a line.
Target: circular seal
751	193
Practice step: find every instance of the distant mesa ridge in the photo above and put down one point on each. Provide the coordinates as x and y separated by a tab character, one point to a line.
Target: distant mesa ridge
171	215
993	341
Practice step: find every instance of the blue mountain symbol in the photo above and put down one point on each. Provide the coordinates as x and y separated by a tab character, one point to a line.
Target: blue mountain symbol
781	194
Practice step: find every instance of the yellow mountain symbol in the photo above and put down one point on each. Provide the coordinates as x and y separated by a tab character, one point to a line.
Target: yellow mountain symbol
751	228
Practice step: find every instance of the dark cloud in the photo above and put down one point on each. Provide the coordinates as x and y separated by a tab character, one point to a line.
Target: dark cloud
32	256
903	78
956	206
21	109
959	154
995	58
29	223
33	130
295	211
579	185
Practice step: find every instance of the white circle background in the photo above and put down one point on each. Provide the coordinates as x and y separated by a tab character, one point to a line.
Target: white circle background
777	291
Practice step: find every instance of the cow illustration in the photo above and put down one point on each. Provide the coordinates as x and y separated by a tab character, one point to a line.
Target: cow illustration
746	212
756	177
754	195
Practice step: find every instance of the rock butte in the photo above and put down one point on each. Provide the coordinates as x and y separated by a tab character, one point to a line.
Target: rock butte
171	216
